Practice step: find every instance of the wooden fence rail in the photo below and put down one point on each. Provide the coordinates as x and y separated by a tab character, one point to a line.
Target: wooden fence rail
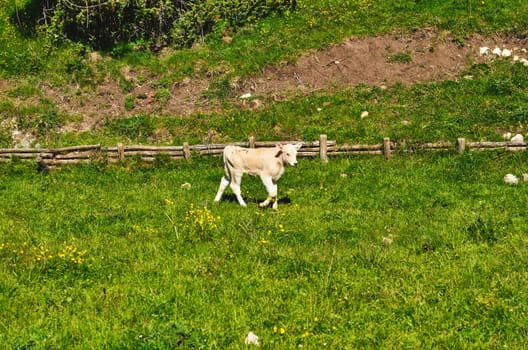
322	148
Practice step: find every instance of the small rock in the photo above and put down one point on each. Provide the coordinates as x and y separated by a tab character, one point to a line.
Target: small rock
255	104
497	51
387	240
511	179
517	138
364	114
484	50
251	339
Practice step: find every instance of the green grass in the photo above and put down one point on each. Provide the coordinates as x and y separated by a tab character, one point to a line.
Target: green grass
423	251
138	261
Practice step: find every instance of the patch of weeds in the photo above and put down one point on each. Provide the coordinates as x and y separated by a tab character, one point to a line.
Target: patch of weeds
47	258
400	57
499	87
482	231
198	223
41	118
165	335
23	91
135	128
163	95
130	102
520	115
219	88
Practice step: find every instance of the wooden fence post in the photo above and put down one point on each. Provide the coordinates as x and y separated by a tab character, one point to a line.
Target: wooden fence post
387	148
120	152
461	144
186	151
323	148
252	142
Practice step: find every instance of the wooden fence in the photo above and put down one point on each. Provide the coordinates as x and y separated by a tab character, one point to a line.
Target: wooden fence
322	148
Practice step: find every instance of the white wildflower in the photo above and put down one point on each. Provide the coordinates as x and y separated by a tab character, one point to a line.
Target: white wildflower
364	114
248	95
507	135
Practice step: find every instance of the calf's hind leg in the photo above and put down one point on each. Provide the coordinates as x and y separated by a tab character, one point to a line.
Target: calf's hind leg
235	187
271	187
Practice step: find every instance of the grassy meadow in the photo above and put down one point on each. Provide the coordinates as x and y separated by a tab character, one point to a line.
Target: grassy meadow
422	251
426	250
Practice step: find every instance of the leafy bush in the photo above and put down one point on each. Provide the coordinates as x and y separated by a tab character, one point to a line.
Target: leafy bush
151	23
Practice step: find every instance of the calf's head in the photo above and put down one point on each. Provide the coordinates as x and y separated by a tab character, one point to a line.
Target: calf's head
288	153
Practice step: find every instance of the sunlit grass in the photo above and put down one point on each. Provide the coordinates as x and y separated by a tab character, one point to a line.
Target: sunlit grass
362	252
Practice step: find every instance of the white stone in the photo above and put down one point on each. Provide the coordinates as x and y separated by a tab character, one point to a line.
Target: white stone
511	179
517	138
497	51
251	339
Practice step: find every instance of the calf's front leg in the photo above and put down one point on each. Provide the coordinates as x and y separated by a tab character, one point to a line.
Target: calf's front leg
223	184
271	187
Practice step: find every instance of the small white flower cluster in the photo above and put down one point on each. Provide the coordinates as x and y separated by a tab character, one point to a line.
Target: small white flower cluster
484	50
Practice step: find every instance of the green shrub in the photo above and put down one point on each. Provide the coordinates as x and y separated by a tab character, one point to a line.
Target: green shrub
144	23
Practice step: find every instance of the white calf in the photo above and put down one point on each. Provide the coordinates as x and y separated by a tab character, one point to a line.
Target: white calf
268	163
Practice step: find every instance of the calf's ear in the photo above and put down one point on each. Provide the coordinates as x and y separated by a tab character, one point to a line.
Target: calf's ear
278	146
298	145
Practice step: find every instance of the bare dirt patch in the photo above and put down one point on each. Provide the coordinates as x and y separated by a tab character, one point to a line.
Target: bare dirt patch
422	56
385	60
